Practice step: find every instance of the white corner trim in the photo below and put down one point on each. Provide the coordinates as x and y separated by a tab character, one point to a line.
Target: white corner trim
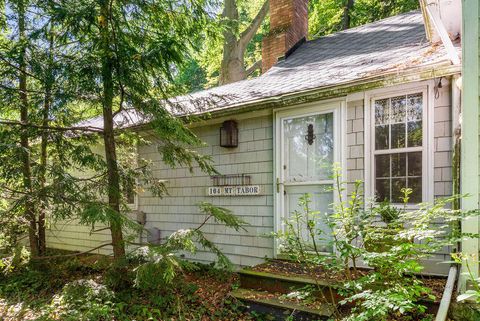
136	198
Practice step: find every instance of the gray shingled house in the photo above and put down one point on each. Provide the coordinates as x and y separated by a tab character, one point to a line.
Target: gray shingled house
380	100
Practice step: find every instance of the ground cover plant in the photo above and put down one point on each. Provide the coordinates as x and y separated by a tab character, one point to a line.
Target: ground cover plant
151	283
89	288
472	294
390	239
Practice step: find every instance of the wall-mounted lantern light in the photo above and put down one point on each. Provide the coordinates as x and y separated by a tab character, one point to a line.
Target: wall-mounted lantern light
229	134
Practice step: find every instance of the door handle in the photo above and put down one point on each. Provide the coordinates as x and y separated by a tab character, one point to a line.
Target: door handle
278	185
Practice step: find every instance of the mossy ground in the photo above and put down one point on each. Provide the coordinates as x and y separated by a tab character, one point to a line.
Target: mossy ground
79	288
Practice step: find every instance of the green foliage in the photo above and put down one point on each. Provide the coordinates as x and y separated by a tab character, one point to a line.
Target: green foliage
17	260
191	77
84	300
30	282
222	215
66	72
157	266
73	289
293	242
388	212
393	288
346	222
210	58
391	240
326	16
387	303
472	294
119	276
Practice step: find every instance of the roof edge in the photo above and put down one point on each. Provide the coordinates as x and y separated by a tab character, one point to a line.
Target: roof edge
384	80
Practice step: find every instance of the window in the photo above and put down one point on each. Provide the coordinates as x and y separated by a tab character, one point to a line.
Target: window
398	145
128	190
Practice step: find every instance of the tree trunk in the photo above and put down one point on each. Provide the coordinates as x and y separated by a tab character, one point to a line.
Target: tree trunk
42	243
24	139
347	13
108	131
233	62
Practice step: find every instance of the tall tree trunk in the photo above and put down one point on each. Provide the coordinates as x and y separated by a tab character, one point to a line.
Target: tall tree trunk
42	242
108	131
232	68
233	62
24	139
347	14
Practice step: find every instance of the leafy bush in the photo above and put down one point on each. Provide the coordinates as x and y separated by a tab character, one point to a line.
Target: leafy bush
159	264
17	260
474	292
148	284
385	303
387	212
392	247
392	288
119	276
83	300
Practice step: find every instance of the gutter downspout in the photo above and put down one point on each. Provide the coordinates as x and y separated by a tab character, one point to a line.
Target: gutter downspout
447	294
442	312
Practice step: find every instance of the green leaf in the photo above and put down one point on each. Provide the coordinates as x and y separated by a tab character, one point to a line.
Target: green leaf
467	296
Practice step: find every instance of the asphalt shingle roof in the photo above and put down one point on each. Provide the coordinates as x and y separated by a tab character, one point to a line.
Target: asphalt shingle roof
391	44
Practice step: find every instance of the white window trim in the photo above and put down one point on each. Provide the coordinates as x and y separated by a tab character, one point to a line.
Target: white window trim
427	88
134	206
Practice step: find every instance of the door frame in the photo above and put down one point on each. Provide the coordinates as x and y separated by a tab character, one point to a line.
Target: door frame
338	107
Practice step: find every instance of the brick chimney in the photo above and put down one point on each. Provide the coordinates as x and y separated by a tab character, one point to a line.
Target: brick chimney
288	29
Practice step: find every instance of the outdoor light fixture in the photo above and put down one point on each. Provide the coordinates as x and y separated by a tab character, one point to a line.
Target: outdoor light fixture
229	134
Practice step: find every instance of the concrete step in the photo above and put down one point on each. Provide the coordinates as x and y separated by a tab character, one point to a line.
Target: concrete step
262	302
264	281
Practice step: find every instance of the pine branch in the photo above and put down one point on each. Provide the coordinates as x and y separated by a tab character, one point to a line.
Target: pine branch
18	90
53	128
18	68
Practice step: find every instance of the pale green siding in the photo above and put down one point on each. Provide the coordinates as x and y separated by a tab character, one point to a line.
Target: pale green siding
470	178
179	209
254	156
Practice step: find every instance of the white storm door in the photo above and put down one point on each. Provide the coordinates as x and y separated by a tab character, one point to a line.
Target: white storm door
306	154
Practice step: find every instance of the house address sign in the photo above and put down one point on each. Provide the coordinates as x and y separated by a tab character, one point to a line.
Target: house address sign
232	185
245	190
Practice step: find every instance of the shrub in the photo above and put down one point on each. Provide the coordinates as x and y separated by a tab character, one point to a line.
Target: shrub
474	292
119	276
392	247
14	262
83	300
